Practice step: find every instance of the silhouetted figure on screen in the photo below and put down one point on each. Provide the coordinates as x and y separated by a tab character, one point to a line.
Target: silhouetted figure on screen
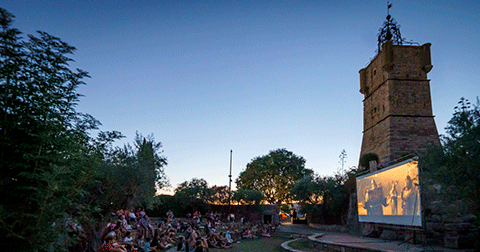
394	199
374	200
409	197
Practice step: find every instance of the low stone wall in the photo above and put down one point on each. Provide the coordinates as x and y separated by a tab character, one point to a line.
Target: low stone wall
446	224
285	246
323	245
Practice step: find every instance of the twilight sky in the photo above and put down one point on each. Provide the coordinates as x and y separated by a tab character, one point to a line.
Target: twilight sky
207	77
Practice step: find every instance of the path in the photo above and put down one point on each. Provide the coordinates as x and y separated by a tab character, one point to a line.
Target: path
342	239
298	229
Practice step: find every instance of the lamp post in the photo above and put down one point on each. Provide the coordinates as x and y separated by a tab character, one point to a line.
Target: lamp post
230	181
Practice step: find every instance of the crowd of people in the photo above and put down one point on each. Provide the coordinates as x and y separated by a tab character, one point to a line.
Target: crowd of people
135	232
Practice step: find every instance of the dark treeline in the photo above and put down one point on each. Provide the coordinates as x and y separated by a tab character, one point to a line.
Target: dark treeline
54	175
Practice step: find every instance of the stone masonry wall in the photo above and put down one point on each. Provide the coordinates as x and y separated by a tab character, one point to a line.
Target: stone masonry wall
397	116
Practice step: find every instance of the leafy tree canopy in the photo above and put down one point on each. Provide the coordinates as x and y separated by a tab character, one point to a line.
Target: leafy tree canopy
47	158
220	195
273	174
325	197
455	164
194	194
247	197
131	175
53	172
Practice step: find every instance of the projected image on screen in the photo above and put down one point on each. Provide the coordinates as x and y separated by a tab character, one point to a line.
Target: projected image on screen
390	195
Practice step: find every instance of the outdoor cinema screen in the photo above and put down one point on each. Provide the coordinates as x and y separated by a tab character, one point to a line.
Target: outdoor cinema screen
390	195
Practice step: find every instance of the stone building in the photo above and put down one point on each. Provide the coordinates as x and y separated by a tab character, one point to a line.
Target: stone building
398	122
397	107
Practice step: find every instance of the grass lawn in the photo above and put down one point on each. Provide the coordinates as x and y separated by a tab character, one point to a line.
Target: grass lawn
255	245
301	244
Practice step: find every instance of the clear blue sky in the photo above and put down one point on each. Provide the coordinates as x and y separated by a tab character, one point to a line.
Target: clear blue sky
206	77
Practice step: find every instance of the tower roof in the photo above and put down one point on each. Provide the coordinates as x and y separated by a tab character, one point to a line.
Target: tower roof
390	31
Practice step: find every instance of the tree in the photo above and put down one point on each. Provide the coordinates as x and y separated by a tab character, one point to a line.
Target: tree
307	191
455	166
247	197
131	175
220	195
325	198
47	158
164	203
194	194
273	175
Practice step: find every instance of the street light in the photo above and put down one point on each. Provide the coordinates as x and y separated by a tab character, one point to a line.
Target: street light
230	181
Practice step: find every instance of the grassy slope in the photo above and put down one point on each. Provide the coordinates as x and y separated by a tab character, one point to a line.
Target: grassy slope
255	245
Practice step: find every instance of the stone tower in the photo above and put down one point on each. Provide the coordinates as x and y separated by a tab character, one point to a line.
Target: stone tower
397	107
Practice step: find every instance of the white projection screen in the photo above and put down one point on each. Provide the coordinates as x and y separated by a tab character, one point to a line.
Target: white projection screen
390	195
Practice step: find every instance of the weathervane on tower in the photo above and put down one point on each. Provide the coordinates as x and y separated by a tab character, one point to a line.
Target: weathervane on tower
390	31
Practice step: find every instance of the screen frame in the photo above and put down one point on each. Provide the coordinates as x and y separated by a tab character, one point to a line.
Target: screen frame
399	220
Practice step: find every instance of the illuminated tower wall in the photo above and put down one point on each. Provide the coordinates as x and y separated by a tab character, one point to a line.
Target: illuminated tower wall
397	107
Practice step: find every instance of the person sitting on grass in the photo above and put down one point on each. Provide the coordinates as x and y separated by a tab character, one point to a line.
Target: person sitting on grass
182	244
117	231
192	237
138	223
222	242
111	246
234	232
265	232
204	243
159	243
140	241
145	225
199	247
146	245
131	219
211	241
248	234
254	230
170	238
229	237
128	238
123	224
108	231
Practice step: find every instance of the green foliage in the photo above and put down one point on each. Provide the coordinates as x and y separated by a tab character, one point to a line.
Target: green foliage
162	204
325	198
194	194
220	195
54	175
130	176
455	165
308	191
285	208
273	175
247	197
47	158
